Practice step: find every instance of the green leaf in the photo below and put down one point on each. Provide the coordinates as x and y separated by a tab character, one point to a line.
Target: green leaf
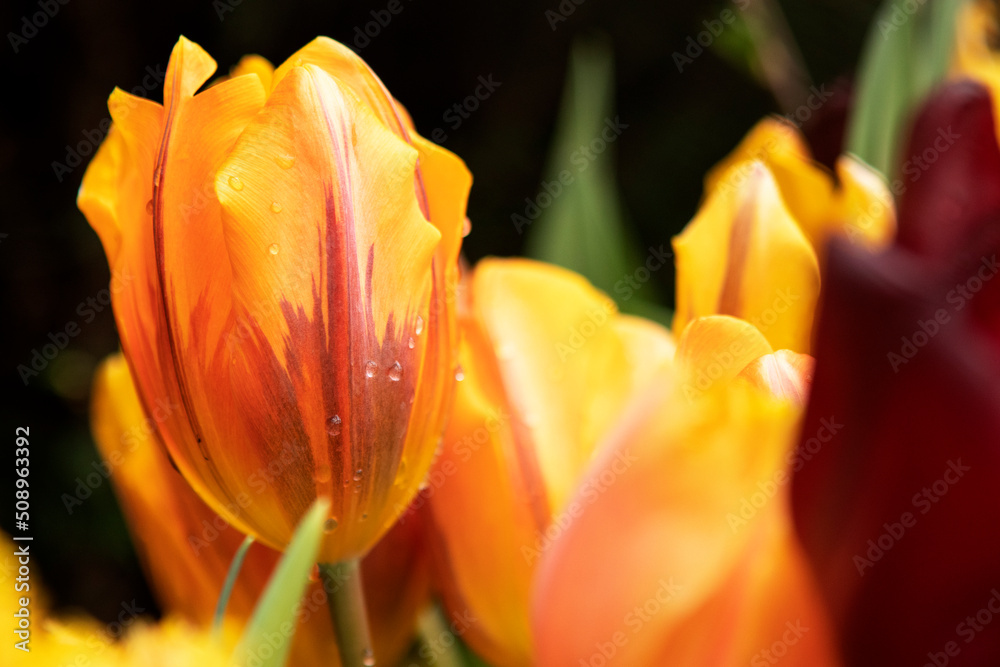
582	223
274	615
905	56
227	586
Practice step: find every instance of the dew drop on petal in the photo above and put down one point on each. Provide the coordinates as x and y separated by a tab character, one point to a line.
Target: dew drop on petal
357	474
235	183
459	374
298	62
285	161
330	525
364	516
275	207
419	327
410	343
466	227
395	372
371	368
323	473
333	425
368	660
149	207
273	249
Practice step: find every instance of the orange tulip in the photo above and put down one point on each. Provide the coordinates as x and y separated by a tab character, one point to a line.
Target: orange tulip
187	548
547	365
754	248
691	559
292	245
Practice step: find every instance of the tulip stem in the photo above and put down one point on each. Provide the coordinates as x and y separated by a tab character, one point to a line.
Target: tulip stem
346	598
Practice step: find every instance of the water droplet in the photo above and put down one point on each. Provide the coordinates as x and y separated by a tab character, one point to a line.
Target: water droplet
466	227
410	343
419	326
235	183
371	368
396	371
298	62
424	485
285	161
322	473
330	525
364	516
357	487
459	374
149	207
368	659
275	207
274	248
357	474
333	425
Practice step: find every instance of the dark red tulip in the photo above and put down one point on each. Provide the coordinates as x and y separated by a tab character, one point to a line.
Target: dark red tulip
898	512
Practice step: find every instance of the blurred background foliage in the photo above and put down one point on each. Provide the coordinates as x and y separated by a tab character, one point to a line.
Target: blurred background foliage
431	56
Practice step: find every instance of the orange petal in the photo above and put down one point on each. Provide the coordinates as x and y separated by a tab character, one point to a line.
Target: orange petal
332	274
684	541
187	549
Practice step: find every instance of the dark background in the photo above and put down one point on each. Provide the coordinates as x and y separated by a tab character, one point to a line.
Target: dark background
430	56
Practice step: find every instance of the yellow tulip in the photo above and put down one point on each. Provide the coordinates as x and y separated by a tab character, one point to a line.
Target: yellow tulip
548	365
287	246
691	557
754	248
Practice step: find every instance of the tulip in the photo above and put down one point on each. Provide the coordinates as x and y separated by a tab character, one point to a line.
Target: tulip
897	513
689	557
547	365
187	549
81	640
754	249
292	248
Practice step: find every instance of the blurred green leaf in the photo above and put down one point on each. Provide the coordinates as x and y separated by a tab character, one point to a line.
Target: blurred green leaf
278	604
905	56
581	224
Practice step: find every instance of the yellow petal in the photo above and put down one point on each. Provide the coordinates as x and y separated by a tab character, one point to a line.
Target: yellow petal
975	54
862	208
548	365
744	255
806	188
254	64
713	350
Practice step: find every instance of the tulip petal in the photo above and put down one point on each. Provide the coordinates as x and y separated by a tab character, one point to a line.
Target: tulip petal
862	207
949	202
566	371
805	187
686	579
331	261
784	374
744	255
713	350
904	426
547	365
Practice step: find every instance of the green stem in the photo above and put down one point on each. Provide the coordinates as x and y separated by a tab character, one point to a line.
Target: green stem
227	587
434	630
344	593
